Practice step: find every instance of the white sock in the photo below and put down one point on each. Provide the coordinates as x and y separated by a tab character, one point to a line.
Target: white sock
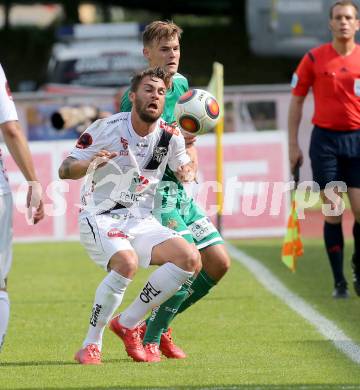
108	297
4	315
162	284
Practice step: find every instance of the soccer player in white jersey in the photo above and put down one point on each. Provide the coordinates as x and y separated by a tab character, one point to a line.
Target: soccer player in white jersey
19	150
124	157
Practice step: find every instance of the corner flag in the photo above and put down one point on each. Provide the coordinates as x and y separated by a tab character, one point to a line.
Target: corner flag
292	246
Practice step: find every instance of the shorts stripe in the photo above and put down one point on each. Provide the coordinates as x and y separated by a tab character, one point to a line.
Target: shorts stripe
92	229
184	232
205	244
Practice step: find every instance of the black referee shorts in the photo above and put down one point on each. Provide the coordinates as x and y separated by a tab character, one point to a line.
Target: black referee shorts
335	156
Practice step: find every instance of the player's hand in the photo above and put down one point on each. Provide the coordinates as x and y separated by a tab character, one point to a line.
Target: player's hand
39	213
33	201
189	138
185	173
295	156
101	158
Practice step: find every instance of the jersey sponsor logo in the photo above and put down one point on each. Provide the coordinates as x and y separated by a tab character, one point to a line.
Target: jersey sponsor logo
142	144
133	195
125	143
202	228
357	87
148	293
115	121
138	184
159	153
95	315
127	197
294	80
170	128
84	141
116	233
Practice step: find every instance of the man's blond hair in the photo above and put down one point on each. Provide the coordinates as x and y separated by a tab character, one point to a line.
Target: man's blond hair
157	30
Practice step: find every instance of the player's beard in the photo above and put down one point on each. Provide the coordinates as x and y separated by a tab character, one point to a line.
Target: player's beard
145	116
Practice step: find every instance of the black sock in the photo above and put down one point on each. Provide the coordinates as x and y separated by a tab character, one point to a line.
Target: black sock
356	234
334	243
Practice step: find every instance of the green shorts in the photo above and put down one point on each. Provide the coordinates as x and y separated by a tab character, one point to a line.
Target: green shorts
194	226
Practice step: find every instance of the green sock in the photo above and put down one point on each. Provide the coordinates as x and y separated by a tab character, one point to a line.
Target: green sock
162	315
201	286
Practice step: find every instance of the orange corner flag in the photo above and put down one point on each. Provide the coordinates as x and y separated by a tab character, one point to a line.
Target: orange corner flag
292	246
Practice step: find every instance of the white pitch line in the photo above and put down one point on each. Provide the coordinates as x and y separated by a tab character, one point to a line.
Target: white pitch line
324	326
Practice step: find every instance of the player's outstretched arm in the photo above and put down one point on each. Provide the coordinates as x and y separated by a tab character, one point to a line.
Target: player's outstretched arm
72	168
19	149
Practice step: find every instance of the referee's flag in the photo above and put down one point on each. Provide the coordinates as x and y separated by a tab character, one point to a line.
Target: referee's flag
292	246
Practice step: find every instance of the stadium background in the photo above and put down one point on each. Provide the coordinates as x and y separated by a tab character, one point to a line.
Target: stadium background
241	336
256	88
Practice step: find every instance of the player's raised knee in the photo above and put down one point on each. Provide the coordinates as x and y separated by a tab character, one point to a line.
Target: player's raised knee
225	261
189	258
124	263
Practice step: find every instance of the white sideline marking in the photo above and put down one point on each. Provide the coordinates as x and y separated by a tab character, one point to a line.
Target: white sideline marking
324	326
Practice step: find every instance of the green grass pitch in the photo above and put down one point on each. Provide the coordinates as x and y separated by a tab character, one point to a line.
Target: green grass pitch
238	337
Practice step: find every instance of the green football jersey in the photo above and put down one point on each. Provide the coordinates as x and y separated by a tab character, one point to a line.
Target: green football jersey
180	85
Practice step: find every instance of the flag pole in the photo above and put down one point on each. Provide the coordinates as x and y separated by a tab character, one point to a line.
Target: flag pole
216	87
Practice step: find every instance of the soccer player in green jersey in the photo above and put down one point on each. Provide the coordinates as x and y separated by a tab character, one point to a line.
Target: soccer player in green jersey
176	209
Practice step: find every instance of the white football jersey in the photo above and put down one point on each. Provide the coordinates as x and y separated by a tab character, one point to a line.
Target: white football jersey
7	113
128	181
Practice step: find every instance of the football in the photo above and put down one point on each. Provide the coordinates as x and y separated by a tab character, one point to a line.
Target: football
197	111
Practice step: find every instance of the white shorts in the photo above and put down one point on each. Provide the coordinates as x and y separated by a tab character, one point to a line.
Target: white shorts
6	234
104	235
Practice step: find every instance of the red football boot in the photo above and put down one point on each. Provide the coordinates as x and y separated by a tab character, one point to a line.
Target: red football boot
168	347
152	353
131	339
89	355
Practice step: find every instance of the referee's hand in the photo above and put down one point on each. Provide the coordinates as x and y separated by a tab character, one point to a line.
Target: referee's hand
295	157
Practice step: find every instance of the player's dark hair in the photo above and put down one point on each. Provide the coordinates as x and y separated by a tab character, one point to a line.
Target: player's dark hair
158	30
156	73
344	3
